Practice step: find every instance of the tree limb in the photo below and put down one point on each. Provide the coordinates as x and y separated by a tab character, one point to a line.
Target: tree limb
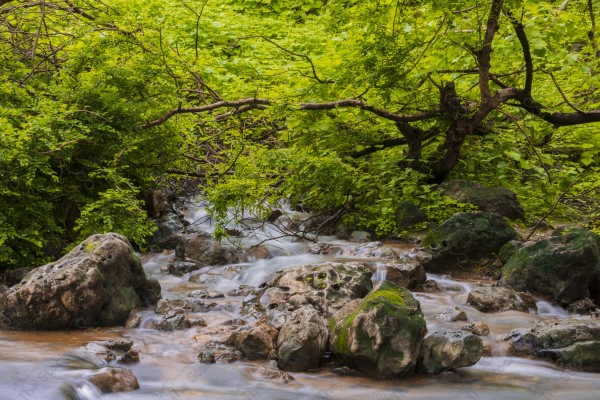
209	107
377	111
520	31
484	56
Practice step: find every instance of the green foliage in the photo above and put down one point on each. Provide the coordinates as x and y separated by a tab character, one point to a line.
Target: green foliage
76	159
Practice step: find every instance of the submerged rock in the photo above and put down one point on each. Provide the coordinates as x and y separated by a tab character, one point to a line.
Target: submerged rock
114	380
489	299
452	314
97	284
572	343
302	341
381	334
446	350
464	239
560	267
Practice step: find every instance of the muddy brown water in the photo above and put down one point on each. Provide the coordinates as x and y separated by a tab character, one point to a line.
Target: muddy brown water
32	364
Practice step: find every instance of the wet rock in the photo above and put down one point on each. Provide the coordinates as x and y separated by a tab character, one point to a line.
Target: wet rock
406	274
256	253
464	239
156	203
452	314
119	351
196	321
381	334
253	342
302	341
97	284
560	267
207	357
218	353
429	286
583	306
325	287
374	249
173	322
179	306
446	350
134	321
169	233
497	200
242	290
114	380
270	374
489	299
325	249
408	215
206	294
202	249
477	328
208	279
572	343
359	236
180	268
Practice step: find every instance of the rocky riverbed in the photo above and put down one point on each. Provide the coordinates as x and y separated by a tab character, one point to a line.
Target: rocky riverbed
292	319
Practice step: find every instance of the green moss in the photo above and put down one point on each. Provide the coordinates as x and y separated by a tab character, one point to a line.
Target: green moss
89	248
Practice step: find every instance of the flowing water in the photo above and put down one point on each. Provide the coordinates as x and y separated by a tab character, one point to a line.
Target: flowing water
33	365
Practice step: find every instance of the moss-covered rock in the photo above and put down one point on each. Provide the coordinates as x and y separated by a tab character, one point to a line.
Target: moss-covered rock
572	343
497	200
97	284
560	267
464	239
381	334
408	215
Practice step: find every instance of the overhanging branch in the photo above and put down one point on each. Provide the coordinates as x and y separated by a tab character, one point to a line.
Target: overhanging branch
239	104
377	111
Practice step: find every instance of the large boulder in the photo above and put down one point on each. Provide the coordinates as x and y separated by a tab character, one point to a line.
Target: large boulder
570	342
464	239
325	287
202	249
446	350
560	267
380	335
489	299
114	380
302	341
406	274
97	284
497	200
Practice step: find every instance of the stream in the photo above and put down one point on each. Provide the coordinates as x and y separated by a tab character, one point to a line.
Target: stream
33	365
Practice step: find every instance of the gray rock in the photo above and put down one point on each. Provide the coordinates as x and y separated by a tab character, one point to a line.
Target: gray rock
302	341
119	351
408	215
560	267
572	343
490	299
179	306
325	287
497	200
169	233
97	284
359	236
446	350
464	239
406	274
381	334
202	249
374	249
452	314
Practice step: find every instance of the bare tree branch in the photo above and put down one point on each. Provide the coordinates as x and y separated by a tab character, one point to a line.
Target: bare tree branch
209	107
377	111
484	56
